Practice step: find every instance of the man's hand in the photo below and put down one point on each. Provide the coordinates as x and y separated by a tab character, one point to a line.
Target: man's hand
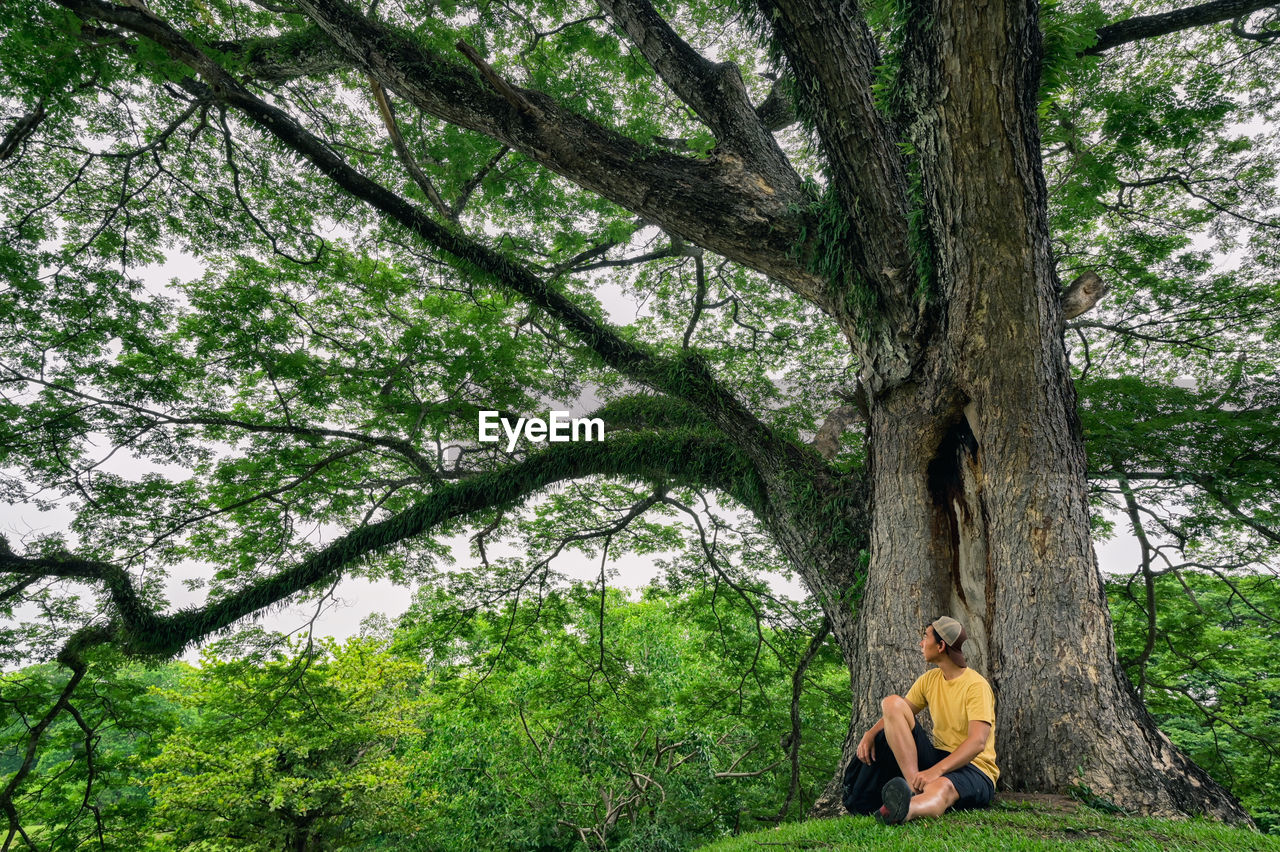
867	748
923	778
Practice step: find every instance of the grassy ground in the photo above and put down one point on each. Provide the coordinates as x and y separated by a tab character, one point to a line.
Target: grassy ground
1006	827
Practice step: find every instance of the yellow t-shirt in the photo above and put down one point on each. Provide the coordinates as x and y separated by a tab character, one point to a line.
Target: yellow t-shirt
953	705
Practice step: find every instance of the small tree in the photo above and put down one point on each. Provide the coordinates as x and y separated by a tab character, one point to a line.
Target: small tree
84	787
1204	663
307	751
684	724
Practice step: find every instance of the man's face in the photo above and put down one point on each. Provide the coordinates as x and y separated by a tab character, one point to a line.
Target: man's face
930	646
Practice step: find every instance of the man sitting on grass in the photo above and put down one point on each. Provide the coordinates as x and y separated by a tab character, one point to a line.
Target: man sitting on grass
899	774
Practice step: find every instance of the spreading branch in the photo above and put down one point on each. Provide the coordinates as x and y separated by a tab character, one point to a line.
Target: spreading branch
304	52
834	56
685	377
402	151
749	216
139	630
1151	26
714	91
718	203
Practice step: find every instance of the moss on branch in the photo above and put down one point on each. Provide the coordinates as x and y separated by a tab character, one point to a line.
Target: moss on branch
679	457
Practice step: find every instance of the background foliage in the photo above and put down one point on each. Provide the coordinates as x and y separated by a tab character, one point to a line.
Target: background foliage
464	728
533	727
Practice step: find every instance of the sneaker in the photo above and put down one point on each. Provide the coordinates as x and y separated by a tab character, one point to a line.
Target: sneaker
897	801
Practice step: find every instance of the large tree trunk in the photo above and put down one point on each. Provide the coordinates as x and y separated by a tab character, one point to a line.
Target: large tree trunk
978	466
980	513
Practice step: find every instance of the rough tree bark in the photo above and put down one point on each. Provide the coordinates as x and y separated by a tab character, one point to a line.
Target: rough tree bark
978	466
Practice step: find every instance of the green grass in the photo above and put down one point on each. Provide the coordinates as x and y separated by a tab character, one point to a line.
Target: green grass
1005	828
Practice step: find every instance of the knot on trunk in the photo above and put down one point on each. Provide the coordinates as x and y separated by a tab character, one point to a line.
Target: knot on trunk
1082	294
852	410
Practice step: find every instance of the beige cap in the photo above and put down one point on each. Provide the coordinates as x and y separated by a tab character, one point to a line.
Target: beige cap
952	632
948	630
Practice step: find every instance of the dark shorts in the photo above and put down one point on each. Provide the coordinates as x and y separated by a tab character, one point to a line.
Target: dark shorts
862	782
974	787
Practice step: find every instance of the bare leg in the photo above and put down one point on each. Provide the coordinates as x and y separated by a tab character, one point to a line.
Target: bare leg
898	722
934	801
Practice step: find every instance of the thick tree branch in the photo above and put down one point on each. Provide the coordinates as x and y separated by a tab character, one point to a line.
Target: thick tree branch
717	203
17	588
834	57
679	457
1150	26
21	129
298	53
827	441
644	411
1265	36
713	90
777	111
854	408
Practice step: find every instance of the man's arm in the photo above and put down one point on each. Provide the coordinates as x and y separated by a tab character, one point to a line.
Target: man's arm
964	753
